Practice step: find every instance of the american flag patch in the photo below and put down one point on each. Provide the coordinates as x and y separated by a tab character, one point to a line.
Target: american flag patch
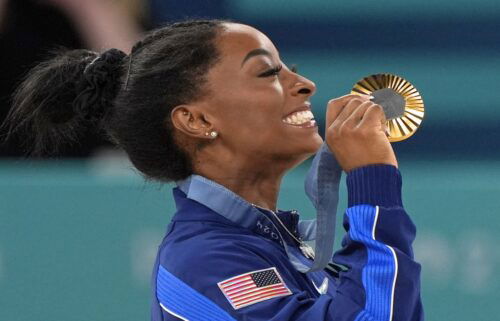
252	287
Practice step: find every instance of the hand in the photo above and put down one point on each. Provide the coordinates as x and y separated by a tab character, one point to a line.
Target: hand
101	24
355	133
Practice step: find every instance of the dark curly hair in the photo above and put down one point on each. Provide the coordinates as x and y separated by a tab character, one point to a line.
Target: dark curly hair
128	98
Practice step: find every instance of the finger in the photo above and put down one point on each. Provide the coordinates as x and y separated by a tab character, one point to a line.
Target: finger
335	106
349	109
357	114
373	116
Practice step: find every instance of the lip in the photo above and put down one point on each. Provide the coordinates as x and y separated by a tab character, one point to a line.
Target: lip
304	107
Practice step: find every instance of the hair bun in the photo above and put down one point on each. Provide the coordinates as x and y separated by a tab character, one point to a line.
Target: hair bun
99	85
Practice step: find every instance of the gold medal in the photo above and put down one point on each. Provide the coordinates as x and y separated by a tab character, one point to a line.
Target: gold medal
402	103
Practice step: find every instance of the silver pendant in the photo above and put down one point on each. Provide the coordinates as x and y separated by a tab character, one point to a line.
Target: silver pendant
307	250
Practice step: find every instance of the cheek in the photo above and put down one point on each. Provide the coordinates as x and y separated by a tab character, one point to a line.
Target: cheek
254	108
267	104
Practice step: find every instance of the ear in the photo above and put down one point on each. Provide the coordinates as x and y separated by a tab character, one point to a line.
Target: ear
192	120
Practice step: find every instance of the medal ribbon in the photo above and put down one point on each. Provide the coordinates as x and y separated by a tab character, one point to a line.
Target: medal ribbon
322	187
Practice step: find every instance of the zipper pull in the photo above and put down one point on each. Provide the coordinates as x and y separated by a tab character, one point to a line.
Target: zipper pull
307	250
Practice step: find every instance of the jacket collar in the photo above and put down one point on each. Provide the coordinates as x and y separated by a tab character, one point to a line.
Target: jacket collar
233	208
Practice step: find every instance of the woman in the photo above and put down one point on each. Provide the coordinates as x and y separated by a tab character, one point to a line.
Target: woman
209	105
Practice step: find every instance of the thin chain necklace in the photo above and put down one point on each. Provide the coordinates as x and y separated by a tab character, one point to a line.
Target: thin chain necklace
304	248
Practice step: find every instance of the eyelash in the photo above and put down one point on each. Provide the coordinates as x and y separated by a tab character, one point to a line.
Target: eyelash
272	72
276	70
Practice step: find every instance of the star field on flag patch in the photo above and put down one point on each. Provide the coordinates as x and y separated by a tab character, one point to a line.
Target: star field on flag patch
252	287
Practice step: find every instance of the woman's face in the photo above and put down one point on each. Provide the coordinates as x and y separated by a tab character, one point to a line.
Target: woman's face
259	107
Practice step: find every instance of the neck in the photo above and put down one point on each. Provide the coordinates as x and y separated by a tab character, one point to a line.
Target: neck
257	182
260	191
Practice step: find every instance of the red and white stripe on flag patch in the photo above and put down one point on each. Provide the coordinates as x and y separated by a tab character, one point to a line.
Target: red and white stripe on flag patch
252	287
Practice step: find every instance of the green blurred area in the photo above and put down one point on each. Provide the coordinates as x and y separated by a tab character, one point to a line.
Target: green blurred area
78	239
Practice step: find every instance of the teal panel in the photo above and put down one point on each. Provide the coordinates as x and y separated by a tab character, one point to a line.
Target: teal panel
313	9
77	242
67	239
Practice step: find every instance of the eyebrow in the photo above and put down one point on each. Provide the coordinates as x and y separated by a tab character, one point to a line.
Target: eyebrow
255	52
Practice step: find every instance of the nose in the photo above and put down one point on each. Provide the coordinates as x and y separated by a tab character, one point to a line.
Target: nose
303	86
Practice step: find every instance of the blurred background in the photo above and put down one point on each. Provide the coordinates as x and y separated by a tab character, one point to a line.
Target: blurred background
78	235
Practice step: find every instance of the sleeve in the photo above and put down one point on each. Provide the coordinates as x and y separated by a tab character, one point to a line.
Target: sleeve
382	282
383	277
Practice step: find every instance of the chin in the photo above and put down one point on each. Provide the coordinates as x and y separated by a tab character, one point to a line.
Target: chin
314	144
308	149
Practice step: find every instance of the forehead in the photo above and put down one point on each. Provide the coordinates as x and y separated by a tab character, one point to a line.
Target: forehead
236	40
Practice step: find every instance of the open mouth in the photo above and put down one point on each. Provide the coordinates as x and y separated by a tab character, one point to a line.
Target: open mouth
303	118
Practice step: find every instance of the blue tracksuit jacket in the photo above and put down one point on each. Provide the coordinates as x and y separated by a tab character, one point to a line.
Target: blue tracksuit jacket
372	277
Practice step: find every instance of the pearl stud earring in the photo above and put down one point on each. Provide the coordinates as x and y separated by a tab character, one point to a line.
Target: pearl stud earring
212	134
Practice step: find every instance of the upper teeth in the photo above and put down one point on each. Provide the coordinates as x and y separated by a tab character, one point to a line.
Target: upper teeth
299	118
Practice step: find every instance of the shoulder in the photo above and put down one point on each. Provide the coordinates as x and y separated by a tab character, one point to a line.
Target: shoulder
211	253
191	245
204	261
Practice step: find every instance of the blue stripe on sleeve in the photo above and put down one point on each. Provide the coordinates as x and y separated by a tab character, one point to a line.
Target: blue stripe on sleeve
179	299
380	272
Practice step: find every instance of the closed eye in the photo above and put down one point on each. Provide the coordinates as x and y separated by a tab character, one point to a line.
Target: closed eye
271	72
